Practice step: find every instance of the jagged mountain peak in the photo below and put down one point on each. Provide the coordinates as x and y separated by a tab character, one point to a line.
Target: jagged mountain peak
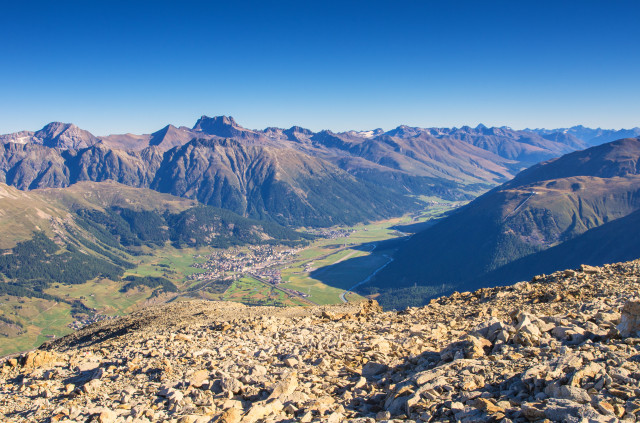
64	136
300	130
170	136
403	131
208	124
56	128
297	133
165	130
225	127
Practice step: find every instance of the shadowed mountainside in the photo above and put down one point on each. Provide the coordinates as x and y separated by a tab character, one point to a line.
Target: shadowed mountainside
545	206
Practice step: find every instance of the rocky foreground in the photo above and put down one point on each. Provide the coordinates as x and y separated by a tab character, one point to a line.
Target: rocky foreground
563	347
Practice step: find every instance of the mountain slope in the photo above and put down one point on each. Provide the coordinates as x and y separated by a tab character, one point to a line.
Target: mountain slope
293	176
64	253
611	242
23	213
544	206
118	212
282	184
476	356
524	147
418	155
46	235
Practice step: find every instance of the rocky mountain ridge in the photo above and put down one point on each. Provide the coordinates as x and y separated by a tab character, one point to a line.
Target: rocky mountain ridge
562	347
54	135
528	146
592	136
293	176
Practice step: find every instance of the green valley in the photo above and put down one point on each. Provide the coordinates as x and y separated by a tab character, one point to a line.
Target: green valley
149	271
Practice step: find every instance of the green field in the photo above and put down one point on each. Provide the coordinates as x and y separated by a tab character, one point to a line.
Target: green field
320	293
330	266
250	291
179	263
103	295
38	317
338	264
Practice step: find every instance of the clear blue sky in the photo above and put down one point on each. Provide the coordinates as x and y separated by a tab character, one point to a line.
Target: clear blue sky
134	66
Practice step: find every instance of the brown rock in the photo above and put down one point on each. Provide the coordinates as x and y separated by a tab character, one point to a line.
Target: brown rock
590	270
35	359
533	411
290	362
232	415
372	368
487	406
262	409
198	378
630	319
107	416
285	387
605	408
193	418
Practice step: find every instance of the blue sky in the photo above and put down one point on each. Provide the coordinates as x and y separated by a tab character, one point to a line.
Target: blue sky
134	66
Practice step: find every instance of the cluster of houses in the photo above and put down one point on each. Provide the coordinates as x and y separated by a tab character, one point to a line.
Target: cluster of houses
79	324
331	233
255	259
270	275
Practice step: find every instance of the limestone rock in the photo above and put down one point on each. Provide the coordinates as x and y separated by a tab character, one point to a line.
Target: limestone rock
35	359
198	378
285	387
232	415
107	416
630	319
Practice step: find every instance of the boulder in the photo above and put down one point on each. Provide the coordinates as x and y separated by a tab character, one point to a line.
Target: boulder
630	319
285	387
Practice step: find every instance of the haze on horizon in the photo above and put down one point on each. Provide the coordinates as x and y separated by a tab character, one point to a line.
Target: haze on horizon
117	67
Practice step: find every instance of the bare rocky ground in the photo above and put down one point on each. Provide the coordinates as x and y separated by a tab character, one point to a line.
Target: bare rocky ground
563	347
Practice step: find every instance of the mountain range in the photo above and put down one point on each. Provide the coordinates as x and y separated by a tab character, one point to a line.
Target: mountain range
590	136
79	212
582	207
293	176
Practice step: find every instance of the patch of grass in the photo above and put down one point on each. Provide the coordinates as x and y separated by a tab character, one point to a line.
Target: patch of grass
320	293
248	290
169	262
103	295
334	271
39	318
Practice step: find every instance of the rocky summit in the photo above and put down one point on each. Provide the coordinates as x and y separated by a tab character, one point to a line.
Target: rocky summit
562	347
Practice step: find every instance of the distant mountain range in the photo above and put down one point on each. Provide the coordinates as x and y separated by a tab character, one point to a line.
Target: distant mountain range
293	176
580	208
75	207
589	136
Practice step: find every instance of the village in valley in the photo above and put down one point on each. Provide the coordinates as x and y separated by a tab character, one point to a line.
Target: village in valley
262	262
259	260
